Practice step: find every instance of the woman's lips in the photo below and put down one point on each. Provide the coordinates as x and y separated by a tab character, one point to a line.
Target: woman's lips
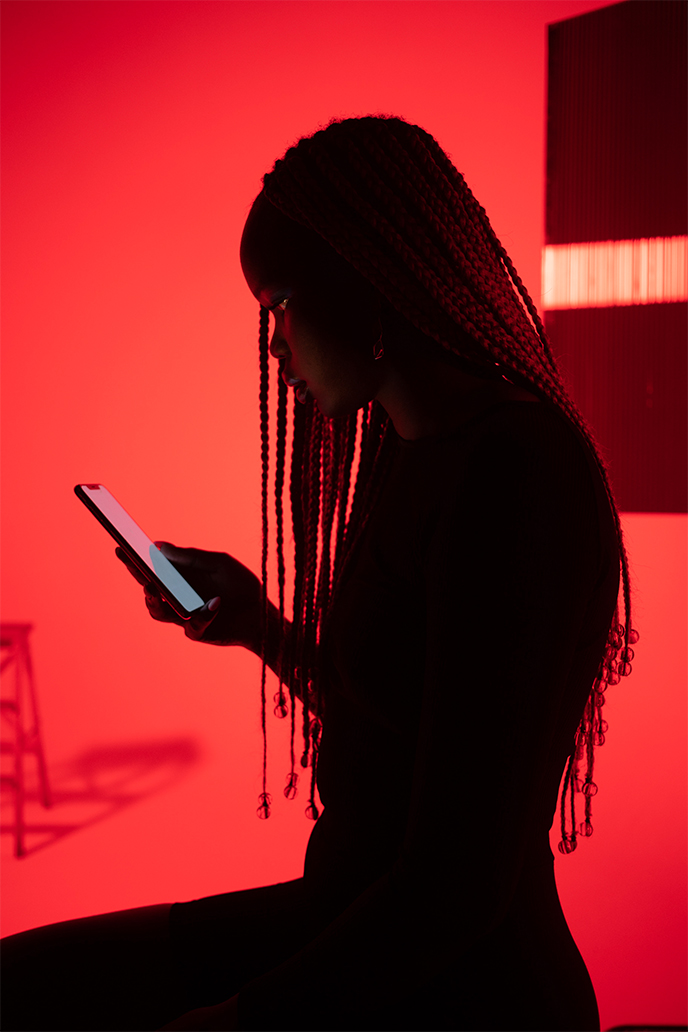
300	385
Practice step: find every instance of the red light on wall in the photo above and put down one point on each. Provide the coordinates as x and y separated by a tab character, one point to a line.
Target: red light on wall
615	272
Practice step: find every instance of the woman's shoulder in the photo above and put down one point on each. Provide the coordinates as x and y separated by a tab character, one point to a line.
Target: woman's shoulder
513	426
535	435
520	474
541	424
516	456
537	445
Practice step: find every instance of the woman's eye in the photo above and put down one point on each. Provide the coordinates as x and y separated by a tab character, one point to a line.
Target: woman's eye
283	304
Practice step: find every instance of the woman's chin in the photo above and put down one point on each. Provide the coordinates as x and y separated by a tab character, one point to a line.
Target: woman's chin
337	407
334	410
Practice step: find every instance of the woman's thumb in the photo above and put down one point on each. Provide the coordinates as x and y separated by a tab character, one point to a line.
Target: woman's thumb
176	555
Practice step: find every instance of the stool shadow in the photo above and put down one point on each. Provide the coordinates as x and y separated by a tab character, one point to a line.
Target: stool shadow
97	784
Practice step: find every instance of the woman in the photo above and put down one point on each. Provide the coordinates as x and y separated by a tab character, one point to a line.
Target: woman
457	555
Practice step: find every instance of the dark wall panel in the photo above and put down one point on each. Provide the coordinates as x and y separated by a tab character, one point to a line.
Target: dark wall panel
617	116
617	136
627	371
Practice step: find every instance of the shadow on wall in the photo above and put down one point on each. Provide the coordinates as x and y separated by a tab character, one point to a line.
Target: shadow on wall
97	784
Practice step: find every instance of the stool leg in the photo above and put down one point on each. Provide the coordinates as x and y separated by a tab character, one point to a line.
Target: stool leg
18	763
37	741
27	733
19	794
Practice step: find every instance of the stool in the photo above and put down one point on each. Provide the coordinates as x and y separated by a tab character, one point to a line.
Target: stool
18	706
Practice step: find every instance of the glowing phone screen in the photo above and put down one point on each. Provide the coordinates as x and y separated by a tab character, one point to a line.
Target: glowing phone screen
142	545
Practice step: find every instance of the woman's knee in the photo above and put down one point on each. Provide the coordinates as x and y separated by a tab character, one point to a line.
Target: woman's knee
91	972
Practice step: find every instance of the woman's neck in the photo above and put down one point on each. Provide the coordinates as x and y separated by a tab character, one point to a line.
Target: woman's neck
425	397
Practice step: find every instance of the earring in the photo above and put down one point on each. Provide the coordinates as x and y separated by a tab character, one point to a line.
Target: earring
378	350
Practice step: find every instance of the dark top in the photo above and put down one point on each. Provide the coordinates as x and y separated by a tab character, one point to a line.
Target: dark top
461	652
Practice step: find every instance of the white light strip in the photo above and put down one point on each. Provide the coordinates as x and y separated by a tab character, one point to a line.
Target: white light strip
615	272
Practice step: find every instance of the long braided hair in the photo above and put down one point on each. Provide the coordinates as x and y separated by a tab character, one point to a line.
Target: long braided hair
384	195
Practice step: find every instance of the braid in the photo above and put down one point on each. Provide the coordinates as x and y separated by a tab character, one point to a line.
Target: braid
312	513
292	649
367	496
281	707
349	446
385	196
279	501
331	448
264	798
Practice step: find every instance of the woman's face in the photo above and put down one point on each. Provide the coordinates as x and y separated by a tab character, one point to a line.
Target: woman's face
325	314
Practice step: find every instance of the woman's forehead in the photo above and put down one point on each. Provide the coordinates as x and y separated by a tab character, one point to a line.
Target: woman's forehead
275	249
273	246
270	233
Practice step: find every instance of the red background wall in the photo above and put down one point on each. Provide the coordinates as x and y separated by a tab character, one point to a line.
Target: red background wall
135	135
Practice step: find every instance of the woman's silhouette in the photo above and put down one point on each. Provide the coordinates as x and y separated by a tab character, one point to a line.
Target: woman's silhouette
457	557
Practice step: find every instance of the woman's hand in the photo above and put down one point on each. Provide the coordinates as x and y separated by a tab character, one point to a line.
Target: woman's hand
231	616
222	1018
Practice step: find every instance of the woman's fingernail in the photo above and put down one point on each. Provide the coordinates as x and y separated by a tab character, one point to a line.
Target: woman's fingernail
214	604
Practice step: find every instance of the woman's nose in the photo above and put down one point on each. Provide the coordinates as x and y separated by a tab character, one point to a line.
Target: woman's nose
278	345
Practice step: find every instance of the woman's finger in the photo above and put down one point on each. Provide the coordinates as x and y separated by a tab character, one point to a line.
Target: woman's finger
157	607
197	626
133	570
191	558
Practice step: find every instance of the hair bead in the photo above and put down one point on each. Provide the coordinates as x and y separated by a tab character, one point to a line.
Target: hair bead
281	709
263	810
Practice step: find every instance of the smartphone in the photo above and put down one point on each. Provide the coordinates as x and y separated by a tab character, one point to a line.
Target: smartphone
139	548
